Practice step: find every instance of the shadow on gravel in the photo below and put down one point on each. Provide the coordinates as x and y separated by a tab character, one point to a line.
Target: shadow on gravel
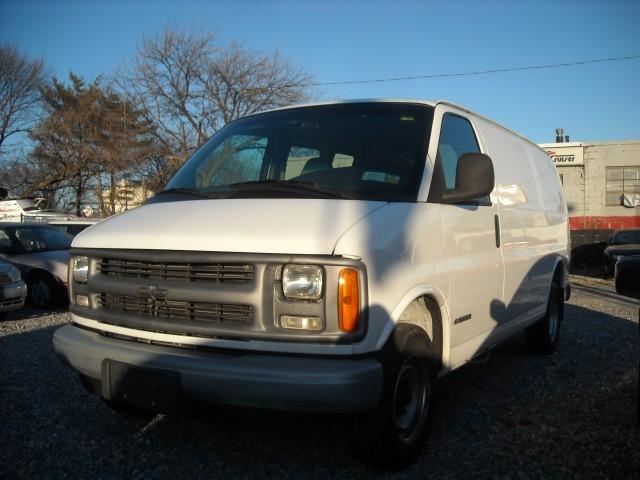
28	312
571	414
590	271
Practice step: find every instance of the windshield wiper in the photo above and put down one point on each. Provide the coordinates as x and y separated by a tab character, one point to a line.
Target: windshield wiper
306	187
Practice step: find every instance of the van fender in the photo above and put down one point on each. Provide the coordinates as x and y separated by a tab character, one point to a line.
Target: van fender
420	290
564	280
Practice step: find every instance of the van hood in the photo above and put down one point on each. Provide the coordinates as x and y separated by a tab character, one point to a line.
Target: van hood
289	226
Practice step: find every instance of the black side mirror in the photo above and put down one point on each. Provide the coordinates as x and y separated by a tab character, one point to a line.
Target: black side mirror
627	276
474	179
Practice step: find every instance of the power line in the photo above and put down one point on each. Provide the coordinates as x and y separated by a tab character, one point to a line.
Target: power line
478	72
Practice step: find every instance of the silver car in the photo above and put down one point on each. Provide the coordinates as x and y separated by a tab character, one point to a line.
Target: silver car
41	252
13	291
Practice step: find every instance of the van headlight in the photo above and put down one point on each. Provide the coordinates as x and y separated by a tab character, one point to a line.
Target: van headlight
80	267
302	282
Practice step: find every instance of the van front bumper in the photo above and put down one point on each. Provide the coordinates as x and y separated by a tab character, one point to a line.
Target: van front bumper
281	381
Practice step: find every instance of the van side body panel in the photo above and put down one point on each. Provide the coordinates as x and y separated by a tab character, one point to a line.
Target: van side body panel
533	221
532	214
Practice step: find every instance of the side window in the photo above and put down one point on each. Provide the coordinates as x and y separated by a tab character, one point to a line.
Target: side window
456	138
29	239
5	241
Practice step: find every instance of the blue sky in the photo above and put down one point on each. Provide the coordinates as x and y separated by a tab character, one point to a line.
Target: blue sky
347	40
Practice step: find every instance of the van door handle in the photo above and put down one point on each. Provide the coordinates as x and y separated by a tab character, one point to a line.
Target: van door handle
496	221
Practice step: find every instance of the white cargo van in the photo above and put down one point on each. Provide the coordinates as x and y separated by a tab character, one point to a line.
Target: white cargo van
331	257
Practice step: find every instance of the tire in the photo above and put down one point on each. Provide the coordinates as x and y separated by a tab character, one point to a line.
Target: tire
393	435
41	290
542	336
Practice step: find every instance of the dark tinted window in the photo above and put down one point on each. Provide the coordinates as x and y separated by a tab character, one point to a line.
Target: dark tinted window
39	238
373	151
626	237
5	241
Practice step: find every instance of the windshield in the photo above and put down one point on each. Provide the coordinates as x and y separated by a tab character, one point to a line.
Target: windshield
372	151
626	237
41	238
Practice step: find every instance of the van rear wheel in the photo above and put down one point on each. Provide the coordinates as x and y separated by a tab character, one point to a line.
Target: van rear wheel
542	336
393	435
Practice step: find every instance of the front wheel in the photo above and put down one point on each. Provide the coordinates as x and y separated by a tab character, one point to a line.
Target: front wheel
542	336
393	435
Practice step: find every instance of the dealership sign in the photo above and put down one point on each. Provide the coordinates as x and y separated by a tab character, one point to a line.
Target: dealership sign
565	156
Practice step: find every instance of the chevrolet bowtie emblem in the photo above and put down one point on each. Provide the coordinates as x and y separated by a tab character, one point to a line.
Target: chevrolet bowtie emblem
152	292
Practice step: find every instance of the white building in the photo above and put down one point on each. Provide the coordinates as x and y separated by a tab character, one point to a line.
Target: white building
602	185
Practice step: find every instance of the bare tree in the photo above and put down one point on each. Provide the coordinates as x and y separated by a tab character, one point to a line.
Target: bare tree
20	81
240	82
190	84
15	175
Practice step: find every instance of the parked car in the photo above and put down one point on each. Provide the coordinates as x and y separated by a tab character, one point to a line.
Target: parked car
627	280
73	227
627	276
336	257
13	290
41	252
622	243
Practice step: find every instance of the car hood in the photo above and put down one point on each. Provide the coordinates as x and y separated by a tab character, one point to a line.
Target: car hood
55	262
291	226
4	266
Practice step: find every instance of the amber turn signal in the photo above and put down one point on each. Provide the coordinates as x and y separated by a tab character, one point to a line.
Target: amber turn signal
348	300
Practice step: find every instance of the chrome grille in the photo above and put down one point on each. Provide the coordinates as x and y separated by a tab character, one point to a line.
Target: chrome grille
178	309
211	272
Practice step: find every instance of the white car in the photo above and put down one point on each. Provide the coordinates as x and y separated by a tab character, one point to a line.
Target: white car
332	257
13	290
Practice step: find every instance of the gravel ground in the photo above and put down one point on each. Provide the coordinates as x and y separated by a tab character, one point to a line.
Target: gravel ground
516	415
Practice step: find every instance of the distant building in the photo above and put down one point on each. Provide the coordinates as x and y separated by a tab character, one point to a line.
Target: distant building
128	195
601	182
